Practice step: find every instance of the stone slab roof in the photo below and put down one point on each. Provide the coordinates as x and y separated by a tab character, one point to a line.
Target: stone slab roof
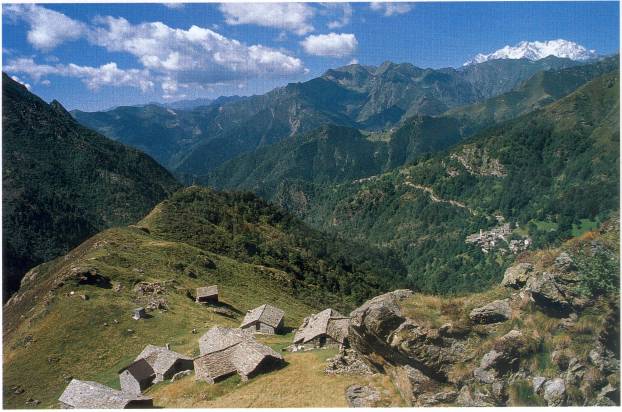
266	314
215	365
327	322
207	291
160	358
248	355
244	356
219	338
92	395
140	369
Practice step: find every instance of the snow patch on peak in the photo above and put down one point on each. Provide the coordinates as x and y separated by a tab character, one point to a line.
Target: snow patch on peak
536	50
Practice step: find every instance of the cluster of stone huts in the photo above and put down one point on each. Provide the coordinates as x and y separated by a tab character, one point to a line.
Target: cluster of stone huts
223	352
152	365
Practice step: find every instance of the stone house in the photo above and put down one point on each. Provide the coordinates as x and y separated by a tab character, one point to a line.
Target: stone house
164	362
264	319
327	328
226	351
218	338
92	395
136	377
207	294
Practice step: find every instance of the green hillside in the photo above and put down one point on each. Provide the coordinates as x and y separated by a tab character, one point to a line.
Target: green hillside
253	251
63	183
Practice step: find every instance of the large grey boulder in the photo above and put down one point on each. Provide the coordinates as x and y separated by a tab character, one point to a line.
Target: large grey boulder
564	263
555	392
497	311
516	276
359	396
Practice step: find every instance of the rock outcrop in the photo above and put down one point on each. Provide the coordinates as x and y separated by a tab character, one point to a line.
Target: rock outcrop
497	311
469	361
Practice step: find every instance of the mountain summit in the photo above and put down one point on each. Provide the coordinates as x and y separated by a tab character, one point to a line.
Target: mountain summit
536	50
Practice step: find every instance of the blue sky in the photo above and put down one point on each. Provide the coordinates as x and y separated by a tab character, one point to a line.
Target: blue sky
96	56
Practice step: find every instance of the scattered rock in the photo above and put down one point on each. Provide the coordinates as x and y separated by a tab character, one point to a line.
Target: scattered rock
427	399
497	311
17	389
32	402
347	362
537	384
608	396
194	331
84	297
555	392
117	287
180	375
473	398
516	276
564	263
359	396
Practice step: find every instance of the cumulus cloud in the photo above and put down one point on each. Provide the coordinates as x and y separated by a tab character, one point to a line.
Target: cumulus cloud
48	28
93	77
293	17
390	9
330	45
171	57
194	55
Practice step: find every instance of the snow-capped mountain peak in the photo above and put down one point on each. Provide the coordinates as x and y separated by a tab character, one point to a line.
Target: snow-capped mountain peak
536	50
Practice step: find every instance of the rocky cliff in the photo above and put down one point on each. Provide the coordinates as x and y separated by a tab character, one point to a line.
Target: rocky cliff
548	335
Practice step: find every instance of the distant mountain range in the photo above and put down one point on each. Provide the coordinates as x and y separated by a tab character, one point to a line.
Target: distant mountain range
193	142
335	154
535	50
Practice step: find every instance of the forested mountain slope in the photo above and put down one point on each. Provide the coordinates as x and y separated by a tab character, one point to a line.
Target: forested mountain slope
63	182
334	154
551	172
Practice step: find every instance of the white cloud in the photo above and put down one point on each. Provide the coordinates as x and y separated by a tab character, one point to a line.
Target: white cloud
330	45
196	55
354	61
48	28
93	77
293	17
346	16
390	9
173	5
18	80
170	57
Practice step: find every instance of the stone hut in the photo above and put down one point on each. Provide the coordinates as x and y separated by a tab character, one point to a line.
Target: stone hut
264	319
207	294
233	352
164	362
136	377
219	338
92	395
327	328
139	313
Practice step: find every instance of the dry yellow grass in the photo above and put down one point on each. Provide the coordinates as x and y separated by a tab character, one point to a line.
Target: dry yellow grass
302	383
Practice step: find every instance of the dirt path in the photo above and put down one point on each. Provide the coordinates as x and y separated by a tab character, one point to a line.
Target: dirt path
437	199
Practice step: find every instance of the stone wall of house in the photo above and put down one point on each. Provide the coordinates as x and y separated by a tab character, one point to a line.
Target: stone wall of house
129	384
